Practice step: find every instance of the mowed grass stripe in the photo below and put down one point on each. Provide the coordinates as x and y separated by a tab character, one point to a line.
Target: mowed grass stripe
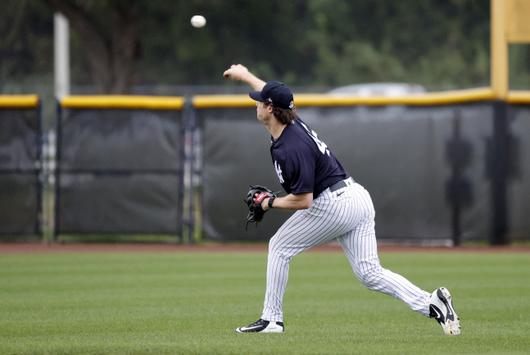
149	303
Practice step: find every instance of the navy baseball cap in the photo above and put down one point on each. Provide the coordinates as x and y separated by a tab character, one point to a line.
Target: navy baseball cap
275	93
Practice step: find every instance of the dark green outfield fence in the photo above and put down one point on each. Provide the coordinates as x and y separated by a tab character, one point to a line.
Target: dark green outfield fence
20	167
442	169
119	166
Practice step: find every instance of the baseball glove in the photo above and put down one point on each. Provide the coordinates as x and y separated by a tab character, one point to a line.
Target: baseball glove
255	196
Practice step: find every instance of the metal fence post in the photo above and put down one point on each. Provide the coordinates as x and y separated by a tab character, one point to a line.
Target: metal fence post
57	190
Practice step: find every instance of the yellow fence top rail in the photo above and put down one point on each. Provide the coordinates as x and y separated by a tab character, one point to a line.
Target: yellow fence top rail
442	98
19	101
123	102
519	97
326	100
222	101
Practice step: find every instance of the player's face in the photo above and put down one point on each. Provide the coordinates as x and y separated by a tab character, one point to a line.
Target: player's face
263	111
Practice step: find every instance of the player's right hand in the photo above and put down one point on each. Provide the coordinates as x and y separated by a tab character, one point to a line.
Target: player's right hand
236	72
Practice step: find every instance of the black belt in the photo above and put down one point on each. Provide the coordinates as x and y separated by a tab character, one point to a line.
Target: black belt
338	185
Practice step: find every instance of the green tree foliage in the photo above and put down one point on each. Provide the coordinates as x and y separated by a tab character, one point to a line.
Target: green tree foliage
435	43
519	66
441	44
26	41
266	35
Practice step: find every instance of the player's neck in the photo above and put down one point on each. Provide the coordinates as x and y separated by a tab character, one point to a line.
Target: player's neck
275	128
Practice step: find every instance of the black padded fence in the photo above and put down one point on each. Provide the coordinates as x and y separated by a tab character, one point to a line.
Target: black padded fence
432	170
235	154
20	170
119	171
439	173
518	172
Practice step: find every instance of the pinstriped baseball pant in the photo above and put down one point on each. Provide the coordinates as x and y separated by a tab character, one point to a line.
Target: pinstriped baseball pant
346	215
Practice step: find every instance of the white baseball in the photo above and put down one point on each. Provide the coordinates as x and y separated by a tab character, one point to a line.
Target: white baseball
198	21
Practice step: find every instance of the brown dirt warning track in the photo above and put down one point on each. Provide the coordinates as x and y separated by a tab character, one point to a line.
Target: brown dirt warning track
42	248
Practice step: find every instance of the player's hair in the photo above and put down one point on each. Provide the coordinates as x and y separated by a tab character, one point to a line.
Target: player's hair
283	115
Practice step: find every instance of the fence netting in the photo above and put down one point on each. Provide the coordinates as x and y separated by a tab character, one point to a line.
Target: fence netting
424	166
119	171
437	173
519	182
20	186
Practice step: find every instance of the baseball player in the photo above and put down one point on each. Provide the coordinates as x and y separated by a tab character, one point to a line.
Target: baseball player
329	205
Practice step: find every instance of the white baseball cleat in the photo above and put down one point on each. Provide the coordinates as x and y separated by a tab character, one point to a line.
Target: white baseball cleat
441	309
262	326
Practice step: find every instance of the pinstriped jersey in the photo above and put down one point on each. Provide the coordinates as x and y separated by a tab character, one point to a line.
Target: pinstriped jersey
303	162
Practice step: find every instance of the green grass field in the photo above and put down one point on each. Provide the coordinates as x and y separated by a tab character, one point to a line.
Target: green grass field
177	303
